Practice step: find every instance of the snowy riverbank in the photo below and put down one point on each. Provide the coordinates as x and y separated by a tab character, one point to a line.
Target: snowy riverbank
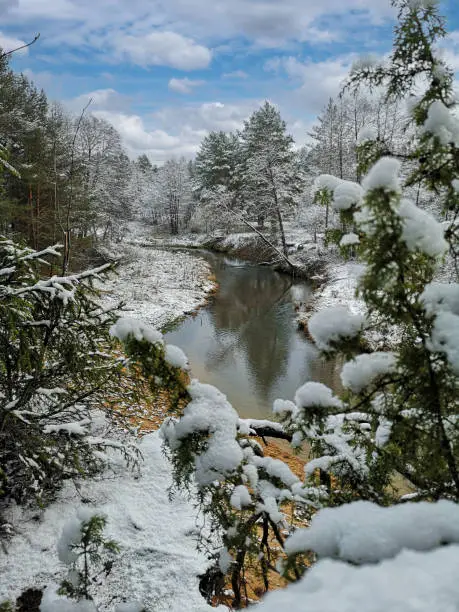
157	286
339	289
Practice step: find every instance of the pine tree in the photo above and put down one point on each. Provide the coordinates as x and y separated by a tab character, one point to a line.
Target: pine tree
56	367
271	175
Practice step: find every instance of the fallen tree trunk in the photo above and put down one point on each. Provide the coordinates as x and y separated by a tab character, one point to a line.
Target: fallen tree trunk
268	242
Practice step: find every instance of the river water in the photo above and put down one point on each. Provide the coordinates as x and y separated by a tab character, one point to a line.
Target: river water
246	342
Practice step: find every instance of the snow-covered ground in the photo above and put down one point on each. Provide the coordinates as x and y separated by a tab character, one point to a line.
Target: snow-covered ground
157	286
157	566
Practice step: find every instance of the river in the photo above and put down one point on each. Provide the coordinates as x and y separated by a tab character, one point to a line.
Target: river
245	340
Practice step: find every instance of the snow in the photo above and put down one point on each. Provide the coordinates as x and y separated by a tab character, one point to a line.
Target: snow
414	4
412	582
362	532
333	324
445	338
340	288
176	357
79	428
247	426
325	181
366	134
420	231
346	195
208	412
440	297
455	185
283	407
442	123
127	326
158	564
225	560
316	394
364	369
157	286
52	602
277	469
71	535
383	175
240	497
349	240
130	607
383	432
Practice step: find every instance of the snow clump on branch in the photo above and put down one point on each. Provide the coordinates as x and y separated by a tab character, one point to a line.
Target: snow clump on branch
346	195
445	338
349	240
363	370
334	324
325	181
412	582
383	175
126	327
362	532
176	357
366	134
440	297
420	230
442	123
208	411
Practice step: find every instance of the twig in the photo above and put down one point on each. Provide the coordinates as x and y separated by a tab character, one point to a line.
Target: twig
7	53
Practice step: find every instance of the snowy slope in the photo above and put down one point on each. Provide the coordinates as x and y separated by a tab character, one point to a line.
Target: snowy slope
158	564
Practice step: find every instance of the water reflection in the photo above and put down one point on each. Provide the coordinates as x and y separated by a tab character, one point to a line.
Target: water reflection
245	341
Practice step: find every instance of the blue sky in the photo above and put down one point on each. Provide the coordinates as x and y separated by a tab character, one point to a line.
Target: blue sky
166	72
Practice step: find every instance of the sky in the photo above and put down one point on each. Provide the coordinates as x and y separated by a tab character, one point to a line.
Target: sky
166	72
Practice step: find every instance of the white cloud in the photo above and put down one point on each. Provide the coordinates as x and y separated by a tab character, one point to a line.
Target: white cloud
157	143
174	132
317	81
183	86
8	43
134	133
236	74
207	117
101	99
6	5
42	80
267	23
164	49
56	10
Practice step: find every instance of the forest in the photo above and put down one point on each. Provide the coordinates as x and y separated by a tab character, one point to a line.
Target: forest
136	474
